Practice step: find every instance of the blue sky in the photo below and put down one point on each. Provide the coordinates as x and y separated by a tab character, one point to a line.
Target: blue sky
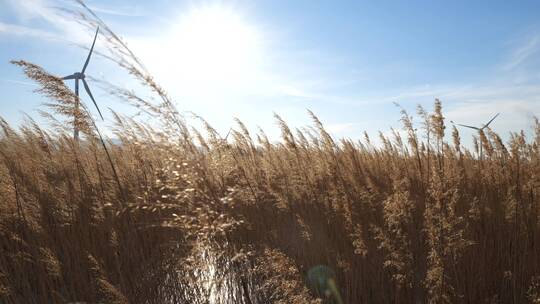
348	61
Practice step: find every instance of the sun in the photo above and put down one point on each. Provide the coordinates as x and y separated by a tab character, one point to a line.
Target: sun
213	47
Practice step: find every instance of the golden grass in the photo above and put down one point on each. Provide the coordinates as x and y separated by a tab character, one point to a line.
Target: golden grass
168	215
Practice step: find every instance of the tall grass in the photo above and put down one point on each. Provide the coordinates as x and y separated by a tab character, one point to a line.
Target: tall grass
171	214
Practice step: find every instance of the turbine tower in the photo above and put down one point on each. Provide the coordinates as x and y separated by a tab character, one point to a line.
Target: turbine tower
81	76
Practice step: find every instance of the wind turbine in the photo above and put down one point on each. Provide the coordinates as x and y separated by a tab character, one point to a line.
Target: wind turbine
480	129
81	76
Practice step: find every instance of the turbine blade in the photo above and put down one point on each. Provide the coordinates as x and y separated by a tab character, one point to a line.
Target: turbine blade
92	97
228	133
69	77
77	87
471	127
90	53
486	125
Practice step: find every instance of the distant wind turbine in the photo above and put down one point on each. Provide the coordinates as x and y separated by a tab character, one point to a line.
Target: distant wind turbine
480	130
80	76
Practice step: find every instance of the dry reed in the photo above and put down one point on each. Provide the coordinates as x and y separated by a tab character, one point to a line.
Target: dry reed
168	214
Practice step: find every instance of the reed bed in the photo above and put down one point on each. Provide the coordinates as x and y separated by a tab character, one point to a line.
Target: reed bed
167	213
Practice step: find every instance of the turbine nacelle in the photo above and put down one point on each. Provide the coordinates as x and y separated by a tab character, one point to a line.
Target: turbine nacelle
76	76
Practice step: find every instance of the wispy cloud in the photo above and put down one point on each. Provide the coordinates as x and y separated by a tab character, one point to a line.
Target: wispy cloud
25	83
122	12
523	52
19	30
31	14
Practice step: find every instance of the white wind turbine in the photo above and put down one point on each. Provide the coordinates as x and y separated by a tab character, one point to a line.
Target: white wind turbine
480	130
80	76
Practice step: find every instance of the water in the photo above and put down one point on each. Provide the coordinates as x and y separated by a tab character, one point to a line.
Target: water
213	279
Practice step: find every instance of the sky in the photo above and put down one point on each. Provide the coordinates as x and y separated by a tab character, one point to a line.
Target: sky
347	61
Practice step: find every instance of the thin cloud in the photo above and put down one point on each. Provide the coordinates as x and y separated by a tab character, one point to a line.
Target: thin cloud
18	82
117	12
522	53
124	11
61	26
19	30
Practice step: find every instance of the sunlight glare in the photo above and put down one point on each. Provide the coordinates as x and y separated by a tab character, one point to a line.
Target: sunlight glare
214	48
